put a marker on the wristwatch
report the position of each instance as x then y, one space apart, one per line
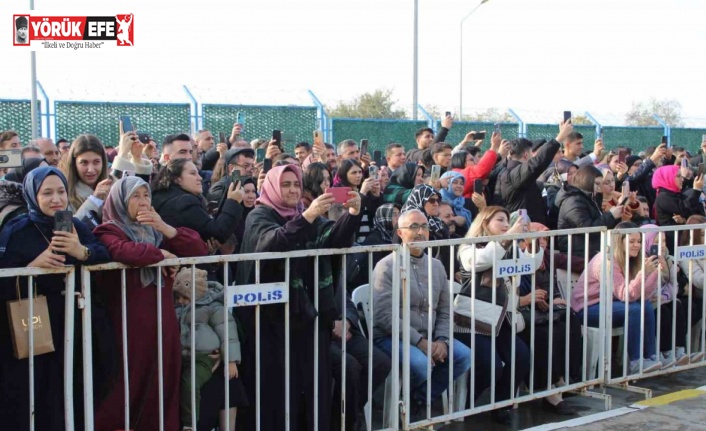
86 253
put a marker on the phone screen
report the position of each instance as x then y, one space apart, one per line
622 156
222 138
266 165
373 172
363 147
277 136
665 140
567 116
479 136
654 250
127 124
701 168
340 194
235 176
448 113
260 154
435 173
241 118
377 157
63 221
478 186
497 128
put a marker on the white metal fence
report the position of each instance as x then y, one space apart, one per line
460 399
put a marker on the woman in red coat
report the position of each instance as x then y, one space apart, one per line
136 235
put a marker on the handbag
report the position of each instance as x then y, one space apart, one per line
486 314
17 313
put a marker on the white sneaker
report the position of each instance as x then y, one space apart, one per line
667 359
696 357
681 357
648 366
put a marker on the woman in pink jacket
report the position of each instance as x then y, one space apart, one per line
625 289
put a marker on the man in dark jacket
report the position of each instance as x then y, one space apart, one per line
240 159
518 182
425 138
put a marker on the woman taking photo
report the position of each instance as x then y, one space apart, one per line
350 174
137 236
86 170
579 205
626 288
317 178
279 223
402 181
177 198
29 240
479 259
673 207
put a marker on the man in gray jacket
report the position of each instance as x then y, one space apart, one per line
427 344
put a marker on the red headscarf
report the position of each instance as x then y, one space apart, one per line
271 193
665 177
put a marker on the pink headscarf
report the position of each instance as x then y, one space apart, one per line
271 193
665 177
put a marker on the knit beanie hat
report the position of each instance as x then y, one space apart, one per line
183 279
630 160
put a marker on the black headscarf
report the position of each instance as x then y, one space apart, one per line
18 174
405 175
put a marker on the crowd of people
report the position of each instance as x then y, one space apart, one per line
139 203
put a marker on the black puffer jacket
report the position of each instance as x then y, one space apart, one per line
669 203
578 210
518 183
179 208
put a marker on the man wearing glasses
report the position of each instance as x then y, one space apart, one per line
235 159
426 345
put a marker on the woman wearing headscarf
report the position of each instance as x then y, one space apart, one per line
30 241
672 207
425 199
453 194
402 181
279 223
137 236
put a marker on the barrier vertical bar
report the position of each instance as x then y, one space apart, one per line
193 346
126 374
226 336
30 310
287 371
405 339
344 325
316 341
450 347
258 371
160 349
87 350
368 419
430 335
551 309
68 349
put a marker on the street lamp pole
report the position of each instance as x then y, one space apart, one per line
460 85
415 78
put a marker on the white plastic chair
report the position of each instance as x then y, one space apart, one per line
361 297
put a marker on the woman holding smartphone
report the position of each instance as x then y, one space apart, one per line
350 174
86 169
31 240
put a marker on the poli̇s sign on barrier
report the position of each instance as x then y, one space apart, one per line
691 253
510 267
257 294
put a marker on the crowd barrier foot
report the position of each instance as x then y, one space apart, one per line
625 386
584 392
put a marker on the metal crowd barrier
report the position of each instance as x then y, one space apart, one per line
232 290
68 341
597 357
687 252
519 264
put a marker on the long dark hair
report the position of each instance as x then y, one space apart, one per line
313 177
83 144
347 165
169 174
458 160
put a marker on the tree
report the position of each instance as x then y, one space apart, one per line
490 115
580 120
641 113
378 104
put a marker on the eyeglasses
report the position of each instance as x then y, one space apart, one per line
246 166
415 227
433 201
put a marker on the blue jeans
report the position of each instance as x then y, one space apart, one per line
633 332
439 372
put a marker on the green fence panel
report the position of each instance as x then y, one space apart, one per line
378 132
690 139
636 138
297 123
101 119
460 128
17 115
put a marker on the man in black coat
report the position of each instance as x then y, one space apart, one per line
518 182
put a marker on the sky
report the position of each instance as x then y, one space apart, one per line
538 57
